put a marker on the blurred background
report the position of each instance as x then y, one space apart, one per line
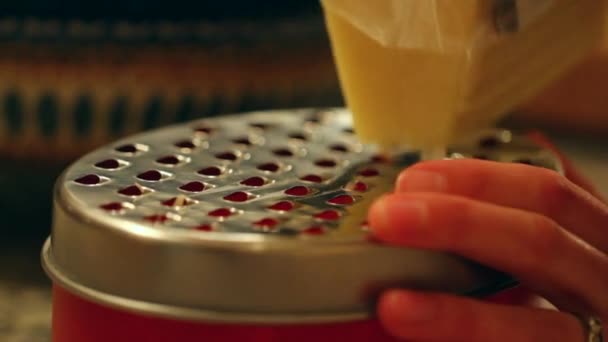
75 74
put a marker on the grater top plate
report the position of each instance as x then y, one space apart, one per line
251 217
291 174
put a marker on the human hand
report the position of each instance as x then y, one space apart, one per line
533 223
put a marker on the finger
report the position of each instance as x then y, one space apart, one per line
516 186
415 316
530 246
570 171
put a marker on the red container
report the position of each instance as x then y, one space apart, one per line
242 228
74 320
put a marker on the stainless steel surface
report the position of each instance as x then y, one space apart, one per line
313 263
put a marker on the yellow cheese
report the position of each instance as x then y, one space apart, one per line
410 95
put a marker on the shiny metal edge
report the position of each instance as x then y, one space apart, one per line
209 316
172 312
251 279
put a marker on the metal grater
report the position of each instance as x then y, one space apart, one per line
257 218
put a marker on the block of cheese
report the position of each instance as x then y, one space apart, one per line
421 73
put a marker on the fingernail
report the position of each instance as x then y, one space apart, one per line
409 308
393 215
421 180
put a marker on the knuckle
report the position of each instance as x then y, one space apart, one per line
465 177
545 239
460 228
477 184
557 193
471 322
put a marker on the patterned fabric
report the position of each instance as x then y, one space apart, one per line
293 31
69 85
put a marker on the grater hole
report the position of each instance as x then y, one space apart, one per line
204 129
312 178
326 163
160 218
328 215
260 125
341 148
314 230
269 167
298 136
489 142
178 201
298 191
254 182
212 171
313 119
111 164
186 145
282 206
245 141
312 123
239 197
134 191
524 161
221 212
114 207
228 155
357 186
131 149
91 179
205 227
267 223
153 176
380 159
342 200
369 172
283 152
194 187
171 160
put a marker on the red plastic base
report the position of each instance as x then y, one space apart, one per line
79 320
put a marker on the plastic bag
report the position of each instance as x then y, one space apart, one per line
439 25
423 72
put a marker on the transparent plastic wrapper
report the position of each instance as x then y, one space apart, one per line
577 102
430 70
